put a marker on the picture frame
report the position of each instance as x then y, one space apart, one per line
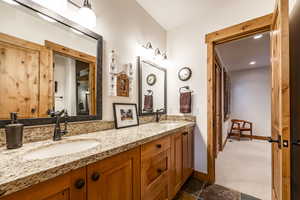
125 115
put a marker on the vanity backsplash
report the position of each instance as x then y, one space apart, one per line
45 132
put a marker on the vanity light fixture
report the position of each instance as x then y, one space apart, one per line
252 63
46 18
164 56
12 2
86 15
256 37
157 52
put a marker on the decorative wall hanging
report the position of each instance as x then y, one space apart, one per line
125 115
122 85
114 71
185 74
151 79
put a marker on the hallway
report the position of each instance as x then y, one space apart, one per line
245 166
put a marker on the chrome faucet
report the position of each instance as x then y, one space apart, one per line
157 114
58 133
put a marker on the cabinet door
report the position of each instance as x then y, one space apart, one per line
66 187
187 151
115 178
155 176
176 177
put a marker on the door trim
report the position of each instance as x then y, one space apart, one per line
251 27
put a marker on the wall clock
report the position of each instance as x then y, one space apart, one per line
185 74
151 79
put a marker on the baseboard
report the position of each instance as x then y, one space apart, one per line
255 137
200 176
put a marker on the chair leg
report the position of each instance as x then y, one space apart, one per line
240 134
251 134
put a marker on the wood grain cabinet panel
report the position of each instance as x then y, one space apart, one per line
188 154
71 186
177 162
155 170
115 178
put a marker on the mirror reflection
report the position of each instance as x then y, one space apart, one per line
44 66
152 87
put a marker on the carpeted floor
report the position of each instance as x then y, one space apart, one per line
197 190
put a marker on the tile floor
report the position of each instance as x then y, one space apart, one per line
245 166
197 190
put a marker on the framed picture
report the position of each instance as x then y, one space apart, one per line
125 115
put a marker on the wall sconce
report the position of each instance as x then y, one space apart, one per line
150 53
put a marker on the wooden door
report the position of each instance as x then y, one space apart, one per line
19 80
115 178
176 159
281 183
218 103
71 186
25 78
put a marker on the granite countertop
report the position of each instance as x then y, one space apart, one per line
17 173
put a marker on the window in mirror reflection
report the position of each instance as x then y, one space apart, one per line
72 85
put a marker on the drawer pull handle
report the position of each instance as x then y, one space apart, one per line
158 146
80 183
95 176
159 171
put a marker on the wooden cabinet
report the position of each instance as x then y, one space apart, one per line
182 159
71 186
177 163
155 169
115 178
188 154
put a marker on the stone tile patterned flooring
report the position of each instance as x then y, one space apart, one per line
194 189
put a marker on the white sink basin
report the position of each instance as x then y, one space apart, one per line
60 149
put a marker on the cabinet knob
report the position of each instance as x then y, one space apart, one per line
158 146
185 133
80 183
95 176
159 171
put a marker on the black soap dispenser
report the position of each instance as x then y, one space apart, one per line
14 133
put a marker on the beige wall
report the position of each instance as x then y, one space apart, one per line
251 98
124 25
186 47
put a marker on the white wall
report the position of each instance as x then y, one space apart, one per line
251 98
186 47
124 25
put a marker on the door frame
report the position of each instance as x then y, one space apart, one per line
251 27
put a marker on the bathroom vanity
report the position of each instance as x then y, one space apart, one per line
151 161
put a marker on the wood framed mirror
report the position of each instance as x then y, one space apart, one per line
39 57
152 88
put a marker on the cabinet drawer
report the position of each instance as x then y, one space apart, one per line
159 189
155 147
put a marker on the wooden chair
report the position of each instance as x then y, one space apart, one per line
240 126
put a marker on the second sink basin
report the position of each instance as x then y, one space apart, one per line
60 149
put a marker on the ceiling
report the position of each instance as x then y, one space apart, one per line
238 54
173 13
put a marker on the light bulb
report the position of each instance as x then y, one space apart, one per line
87 17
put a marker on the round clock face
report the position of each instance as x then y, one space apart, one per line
151 79
185 74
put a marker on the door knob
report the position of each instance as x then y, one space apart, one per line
278 141
80 183
273 141
95 176
297 143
